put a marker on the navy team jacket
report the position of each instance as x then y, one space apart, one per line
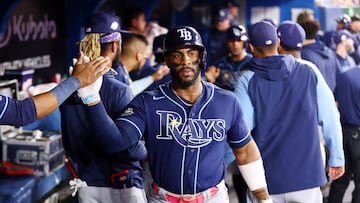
284 100
96 163
347 94
325 60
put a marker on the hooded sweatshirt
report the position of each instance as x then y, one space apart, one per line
325 59
281 98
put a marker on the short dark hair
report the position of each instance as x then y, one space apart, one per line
311 28
304 16
288 48
130 13
129 39
265 49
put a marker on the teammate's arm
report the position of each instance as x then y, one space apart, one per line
251 167
212 73
18 113
241 91
83 75
119 135
331 128
141 84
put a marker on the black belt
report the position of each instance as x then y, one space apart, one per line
354 127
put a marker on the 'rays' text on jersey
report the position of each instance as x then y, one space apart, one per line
190 132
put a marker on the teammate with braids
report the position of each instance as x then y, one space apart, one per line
110 175
185 130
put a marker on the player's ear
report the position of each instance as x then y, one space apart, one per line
139 56
278 42
114 46
279 48
251 48
119 46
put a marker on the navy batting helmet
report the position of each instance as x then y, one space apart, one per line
237 32
184 36
158 44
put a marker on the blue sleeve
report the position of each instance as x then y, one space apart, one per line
241 91
120 135
329 120
14 112
238 134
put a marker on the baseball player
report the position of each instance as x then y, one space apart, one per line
284 100
186 124
344 42
132 59
110 175
158 52
226 70
318 53
347 94
14 112
292 37
216 42
224 73
342 22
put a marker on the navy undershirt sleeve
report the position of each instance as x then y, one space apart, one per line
118 136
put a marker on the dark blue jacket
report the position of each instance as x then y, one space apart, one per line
96 164
325 60
122 75
284 100
230 71
347 94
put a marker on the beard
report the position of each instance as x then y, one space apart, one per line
175 75
116 60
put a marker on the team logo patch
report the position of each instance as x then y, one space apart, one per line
129 111
114 25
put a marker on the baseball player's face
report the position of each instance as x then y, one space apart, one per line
236 46
184 66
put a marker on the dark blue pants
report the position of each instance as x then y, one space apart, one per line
352 167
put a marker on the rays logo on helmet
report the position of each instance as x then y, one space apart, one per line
114 25
185 34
